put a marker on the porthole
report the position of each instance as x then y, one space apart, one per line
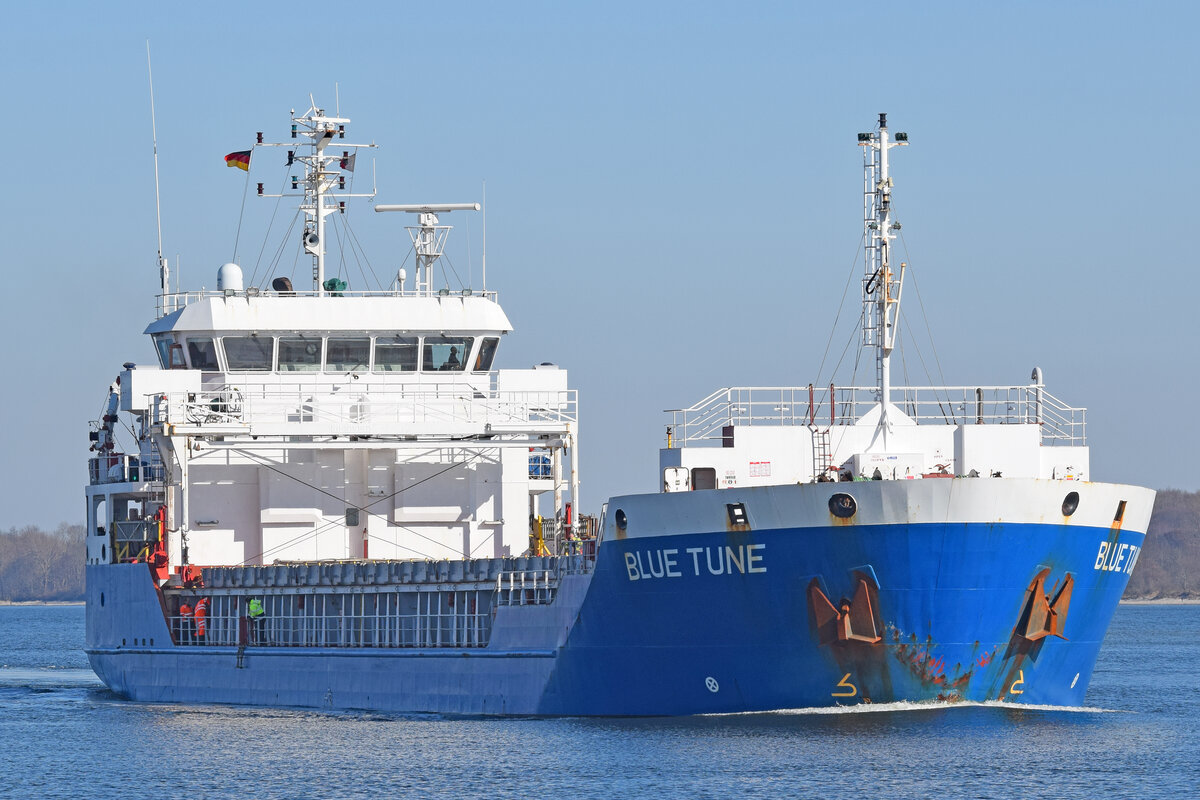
1070 503
102 599
122 643
103 553
842 505
622 520
152 641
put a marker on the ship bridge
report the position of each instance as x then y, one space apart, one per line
289 424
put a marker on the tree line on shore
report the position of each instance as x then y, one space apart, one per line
48 565
42 565
1169 564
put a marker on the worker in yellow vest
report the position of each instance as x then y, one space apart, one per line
256 612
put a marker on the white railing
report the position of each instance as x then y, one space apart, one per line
817 407
539 587
123 468
526 588
344 620
173 301
363 409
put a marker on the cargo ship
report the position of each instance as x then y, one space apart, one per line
329 497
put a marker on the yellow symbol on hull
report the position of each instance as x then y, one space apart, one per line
845 684
1020 681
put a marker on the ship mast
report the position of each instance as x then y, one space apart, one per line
881 285
322 175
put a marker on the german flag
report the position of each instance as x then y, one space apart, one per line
240 159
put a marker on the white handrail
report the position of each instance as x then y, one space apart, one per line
951 405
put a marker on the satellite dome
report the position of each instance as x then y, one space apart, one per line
229 277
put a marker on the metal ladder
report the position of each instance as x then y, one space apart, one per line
821 450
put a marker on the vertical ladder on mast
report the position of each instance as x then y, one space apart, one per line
881 284
871 187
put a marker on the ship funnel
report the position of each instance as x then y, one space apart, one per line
229 278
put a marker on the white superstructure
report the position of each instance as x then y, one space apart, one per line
283 424
759 436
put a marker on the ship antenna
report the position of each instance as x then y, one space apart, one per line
164 274
485 235
428 237
322 176
881 286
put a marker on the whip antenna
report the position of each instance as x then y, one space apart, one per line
163 271
485 235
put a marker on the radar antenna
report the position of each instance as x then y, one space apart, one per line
428 237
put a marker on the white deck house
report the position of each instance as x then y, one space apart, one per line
284 425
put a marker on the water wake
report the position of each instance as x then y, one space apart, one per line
937 705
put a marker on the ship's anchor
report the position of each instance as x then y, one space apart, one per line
852 620
1041 616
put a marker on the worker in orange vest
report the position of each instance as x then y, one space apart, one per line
201 617
185 622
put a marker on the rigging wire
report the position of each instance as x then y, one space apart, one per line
341 251
483 541
357 251
397 544
929 334
929 378
241 215
361 253
846 349
453 269
317 531
270 227
295 254
295 540
278 257
841 305
924 316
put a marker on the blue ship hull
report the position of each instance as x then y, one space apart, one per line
950 597
722 621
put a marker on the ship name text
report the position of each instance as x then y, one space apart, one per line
695 561
1117 558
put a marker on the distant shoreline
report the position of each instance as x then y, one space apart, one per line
1164 601
41 602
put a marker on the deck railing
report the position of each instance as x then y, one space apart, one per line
173 301
124 468
844 405
378 619
341 407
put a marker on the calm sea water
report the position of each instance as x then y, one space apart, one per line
62 734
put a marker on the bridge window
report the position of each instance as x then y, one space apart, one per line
396 353
299 354
446 353
202 354
487 352
347 355
249 353
162 344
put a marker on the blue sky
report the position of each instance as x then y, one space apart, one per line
673 195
